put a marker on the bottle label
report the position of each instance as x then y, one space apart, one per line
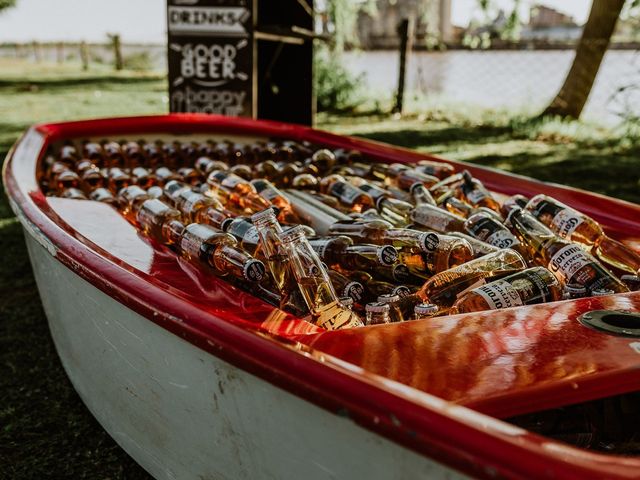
569 260
502 239
269 193
251 236
431 220
232 181
565 222
319 246
191 244
346 192
499 294
476 195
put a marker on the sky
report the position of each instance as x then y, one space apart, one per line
145 21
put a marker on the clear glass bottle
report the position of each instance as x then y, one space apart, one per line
159 221
568 261
569 223
486 228
350 196
472 191
435 168
528 287
340 250
345 287
437 219
391 209
234 190
217 249
420 195
314 283
444 287
274 196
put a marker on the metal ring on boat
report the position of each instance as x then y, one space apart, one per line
614 322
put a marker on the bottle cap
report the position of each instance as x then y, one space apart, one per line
601 292
346 302
387 255
377 307
401 291
224 226
388 298
575 290
631 281
429 242
353 290
416 185
423 309
254 270
268 213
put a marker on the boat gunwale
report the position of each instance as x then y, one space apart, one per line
457 436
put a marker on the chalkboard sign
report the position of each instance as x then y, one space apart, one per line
210 55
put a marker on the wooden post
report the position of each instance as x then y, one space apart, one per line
37 51
117 51
405 31
84 55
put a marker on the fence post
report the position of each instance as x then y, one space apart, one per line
84 55
405 31
60 52
37 51
117 51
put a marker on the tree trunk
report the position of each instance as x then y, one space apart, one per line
592 46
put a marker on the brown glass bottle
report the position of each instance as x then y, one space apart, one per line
435 169
528 287
218 250
273 195
345 287
341 251
486 228
420 195
236 191
575 226
472 191
568 261
350 196
159 221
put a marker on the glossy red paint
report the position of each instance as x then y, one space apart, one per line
392 379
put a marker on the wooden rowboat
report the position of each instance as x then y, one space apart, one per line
197 379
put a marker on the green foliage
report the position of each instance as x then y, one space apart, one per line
4 4
139 62
336 88
342 16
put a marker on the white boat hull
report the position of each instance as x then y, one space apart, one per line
183 413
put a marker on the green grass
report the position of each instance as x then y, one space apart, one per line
45 430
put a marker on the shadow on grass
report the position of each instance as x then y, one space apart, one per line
35 84
45 429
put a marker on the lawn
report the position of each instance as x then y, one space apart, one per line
45 430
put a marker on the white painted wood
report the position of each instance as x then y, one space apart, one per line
183 413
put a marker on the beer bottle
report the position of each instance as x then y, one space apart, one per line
439 252
323 160
462 209
93 151
486 228
143 177
205 165
218 250
350 196
117 179
190 175
423 311
345 287
374 288
164 175
437 219
575 226
103 195
129 200
231 189
159 221
314 283
341 251
514 201
274 196
568 261
377 313
394 211
444 287
194 206
421 195
480 248
73 193
435 169
113 155
528 287
474 192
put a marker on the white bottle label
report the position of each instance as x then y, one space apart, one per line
232 180
431 220
476 196
499 294
565 222
319 246
569 260
502 239
269 194
251 236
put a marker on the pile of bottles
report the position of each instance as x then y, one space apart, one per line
344 242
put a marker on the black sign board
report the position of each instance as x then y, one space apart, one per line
211 56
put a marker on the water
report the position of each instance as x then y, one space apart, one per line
504 79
